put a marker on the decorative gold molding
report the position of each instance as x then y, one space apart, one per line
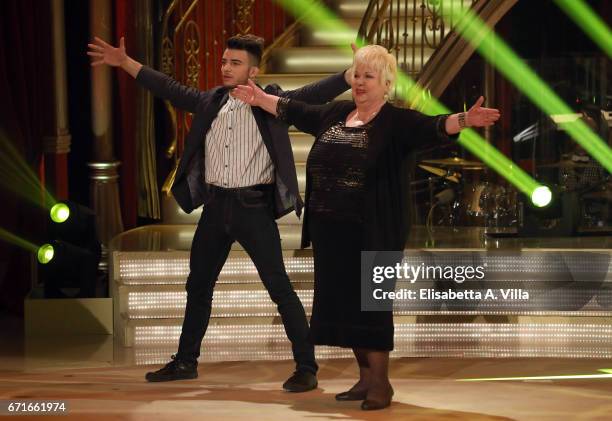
191 47
185 16
167 186
244 16
167 45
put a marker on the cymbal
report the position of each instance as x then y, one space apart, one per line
440 173
455 162
568 164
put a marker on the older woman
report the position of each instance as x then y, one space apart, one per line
356 199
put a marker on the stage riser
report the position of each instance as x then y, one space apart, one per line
142 268
226 303
252 299
154 344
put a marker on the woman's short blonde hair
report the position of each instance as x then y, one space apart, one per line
378 59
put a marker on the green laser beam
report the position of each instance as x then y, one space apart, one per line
607 375
11 238
590 22
25 188
17 176
319 17
470 139
501 56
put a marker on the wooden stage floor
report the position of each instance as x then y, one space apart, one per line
107 386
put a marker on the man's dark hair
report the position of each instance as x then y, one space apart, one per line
250 43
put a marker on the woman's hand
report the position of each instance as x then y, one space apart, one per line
251 94
477 116
104 53
256 97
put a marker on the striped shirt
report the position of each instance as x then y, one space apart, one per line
235 154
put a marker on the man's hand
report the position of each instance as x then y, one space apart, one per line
103 53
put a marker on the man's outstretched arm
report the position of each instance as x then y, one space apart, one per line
181 96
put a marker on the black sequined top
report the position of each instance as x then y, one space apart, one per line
336 167
382 189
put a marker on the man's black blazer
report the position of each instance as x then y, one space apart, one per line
189 188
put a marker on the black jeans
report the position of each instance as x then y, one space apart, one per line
243 215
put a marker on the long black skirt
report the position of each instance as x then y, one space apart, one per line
337 318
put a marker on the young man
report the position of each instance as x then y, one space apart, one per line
238 163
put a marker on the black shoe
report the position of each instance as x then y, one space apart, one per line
301 381
351 395
176 369
373 405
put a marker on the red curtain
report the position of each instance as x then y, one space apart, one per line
25 69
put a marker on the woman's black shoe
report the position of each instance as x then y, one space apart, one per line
176 369
372 405
350 395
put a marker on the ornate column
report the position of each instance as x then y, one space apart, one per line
56 146
104 191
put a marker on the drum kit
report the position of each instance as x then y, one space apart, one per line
475 200
470 199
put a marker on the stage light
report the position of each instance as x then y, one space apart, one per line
73 223
45 253
60 212
593 25
70 260
541 196
548 211
68 270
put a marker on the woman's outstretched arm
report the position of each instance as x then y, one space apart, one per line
306 117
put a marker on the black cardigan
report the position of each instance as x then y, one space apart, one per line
393 134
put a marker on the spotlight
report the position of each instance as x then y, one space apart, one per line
541 196
45 253
60 212
74 223
549 211
68 270
69 261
